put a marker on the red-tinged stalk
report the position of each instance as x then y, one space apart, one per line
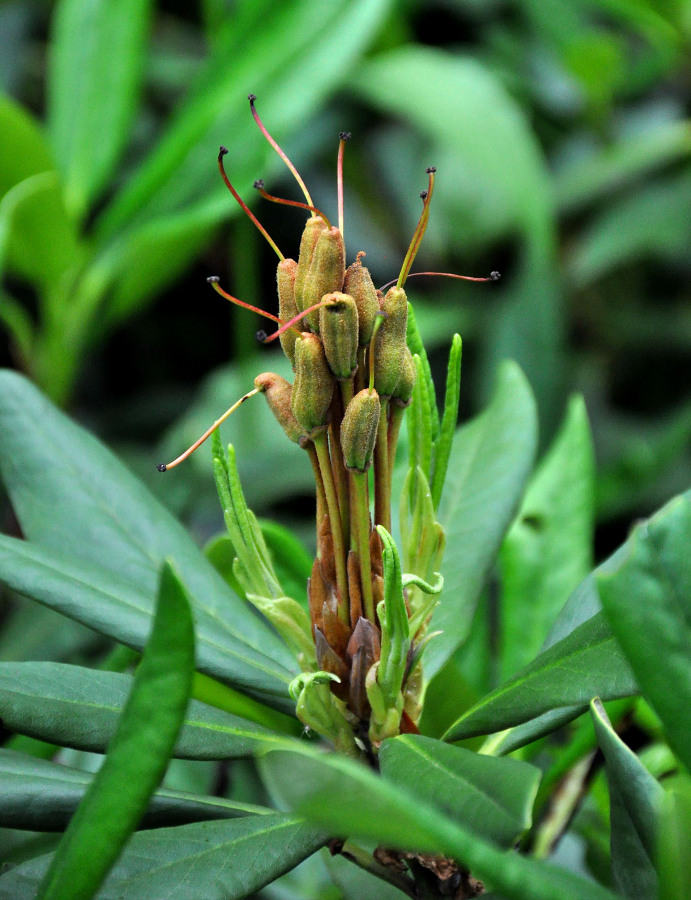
259 186
493 276
361 528
264 131
213 280
382 485
344 136
331 497
248 212
163 467
419 230
291 323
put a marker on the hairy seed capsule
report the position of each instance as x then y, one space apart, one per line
359 430
326 273
338 327
278 393
314 227
403 392
287 308
314 385
358 283
390 343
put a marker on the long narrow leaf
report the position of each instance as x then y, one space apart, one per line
349 798
137 757
76 707
214 860
42 796
489 465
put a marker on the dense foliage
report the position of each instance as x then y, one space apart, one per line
535 735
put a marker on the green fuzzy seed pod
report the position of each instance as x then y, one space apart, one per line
390 344
359 430
403 392
338 327
314 385
287 308
278 393
326 272
314 227
358 283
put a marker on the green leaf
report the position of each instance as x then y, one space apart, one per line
78 502
674 849
108 604
25 150
77 707
548 550
635 801
444 441
496 795
587 663
292 60
225 860
42 796
137 756
348 798
647 600
91 98
37 239
490 462
291 561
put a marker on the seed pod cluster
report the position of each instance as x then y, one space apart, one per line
337 409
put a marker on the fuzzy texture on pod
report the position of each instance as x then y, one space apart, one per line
287 308
278 393
403 392
390 343
314 384
314 227
358 283
359 430
338 327
326 273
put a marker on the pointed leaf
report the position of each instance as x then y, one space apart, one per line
586 664
104 602
74 498
42 796
347 797
76 707
215 860
137 756
548 550
490 462
25 149
635 800
91 100
494 796
647 600
675 843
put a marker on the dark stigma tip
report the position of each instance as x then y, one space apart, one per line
423 195
344 135
213 279
161 467
495 276
430 169
261 336
222 151
259 184
251 97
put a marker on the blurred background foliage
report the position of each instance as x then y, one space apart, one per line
561 138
